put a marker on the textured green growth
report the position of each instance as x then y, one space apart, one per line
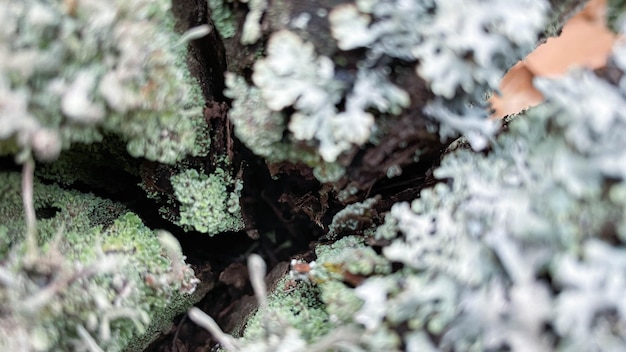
223 18
256 125
341 265
298 305
208 203
324 300
340 302
72 72
293 75
99 277
56 209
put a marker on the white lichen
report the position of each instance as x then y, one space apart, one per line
292 75
251 31
461 48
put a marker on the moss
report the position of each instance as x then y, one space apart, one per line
208 203
98 275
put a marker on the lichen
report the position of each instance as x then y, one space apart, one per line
461 48
251 31
98 276
72 72
354 218
293 76
521 247
256 125
290 319
297 305
208 203
55 208
307 102
537 206
223 18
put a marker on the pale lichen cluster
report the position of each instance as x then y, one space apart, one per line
208 203
324 113
75 71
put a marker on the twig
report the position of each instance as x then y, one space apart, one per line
28 169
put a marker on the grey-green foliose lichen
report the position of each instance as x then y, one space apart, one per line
74 71
302 106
